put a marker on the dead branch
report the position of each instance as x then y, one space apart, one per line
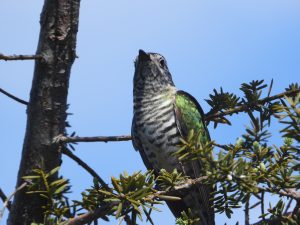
291 192
65 139
288 192
92 215
20 57
13 97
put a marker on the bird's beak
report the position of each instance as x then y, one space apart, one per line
143 56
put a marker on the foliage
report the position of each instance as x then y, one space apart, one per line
187 218
53 192
131 195
250 167
243 172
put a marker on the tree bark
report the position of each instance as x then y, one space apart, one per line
46 111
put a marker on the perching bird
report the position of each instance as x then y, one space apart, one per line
163 115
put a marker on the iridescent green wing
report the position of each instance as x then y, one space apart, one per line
189 116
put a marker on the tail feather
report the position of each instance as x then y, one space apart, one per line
198 198
193 200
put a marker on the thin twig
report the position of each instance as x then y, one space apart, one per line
92 215
6 203
288 206
225 147
247 219
13 97
188 183
4 198
20 57
65 139
288 192
106 139
244 107
291 192
121 220
262 206
70 154
296 209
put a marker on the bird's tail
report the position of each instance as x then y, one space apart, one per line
196 201
198 198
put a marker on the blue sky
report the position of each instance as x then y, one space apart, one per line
208 44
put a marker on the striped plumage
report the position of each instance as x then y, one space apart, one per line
162 115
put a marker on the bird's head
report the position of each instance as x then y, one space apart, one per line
151 72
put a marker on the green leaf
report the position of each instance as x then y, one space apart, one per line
60 189
119 210
30 177
117 187
53 171
169 198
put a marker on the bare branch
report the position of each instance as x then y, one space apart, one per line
220 146
65 139
188 183
70 154
288 206
245 107
4 198
92 215
120 220
20 57
292 193
7 201
296 209
13 97
247 218
262 204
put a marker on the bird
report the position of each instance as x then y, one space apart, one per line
162 116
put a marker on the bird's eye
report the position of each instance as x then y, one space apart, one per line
162 63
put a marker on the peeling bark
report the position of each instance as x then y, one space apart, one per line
46 111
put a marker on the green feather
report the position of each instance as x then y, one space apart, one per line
190 117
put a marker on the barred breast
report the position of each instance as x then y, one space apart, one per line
156 128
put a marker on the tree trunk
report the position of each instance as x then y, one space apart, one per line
46 111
